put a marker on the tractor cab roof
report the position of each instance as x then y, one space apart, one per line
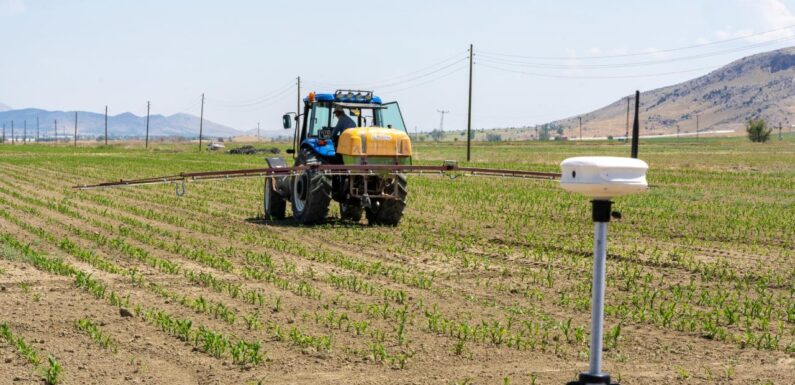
363 98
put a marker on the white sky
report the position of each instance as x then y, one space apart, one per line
245 55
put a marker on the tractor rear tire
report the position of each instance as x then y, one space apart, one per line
274 204
311 195
388 212
350 212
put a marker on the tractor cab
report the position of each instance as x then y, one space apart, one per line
379 129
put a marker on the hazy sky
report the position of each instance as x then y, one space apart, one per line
535 61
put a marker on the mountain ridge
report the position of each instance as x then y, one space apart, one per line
760 85
123 125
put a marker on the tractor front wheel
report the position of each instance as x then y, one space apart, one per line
311 196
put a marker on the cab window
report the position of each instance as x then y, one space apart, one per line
320 119
390 117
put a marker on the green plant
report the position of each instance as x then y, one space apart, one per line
52 374
613 336
87 326
23 348
682 373
758 130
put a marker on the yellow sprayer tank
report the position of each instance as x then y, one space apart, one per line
374 145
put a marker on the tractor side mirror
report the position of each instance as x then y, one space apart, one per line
287 121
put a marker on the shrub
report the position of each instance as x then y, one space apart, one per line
758 131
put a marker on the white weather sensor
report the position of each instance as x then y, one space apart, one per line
603 177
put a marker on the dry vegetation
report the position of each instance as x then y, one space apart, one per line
485 281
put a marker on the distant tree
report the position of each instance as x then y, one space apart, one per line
493 137
437 135
758 131
544 133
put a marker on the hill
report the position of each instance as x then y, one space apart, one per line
755 86
122 125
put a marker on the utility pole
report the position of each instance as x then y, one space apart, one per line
56 131
4 132
636 126
25 131
37 129
779 131
441 123
148 104
75 128
696 126
677 131
201 124
469 107
298 102
580 118
627 134
106 125
258 139
12 132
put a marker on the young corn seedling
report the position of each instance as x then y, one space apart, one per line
87 326
52 374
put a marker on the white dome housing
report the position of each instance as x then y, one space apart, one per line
603 177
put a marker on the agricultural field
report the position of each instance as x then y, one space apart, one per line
485 281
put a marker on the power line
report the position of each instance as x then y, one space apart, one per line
596 77
255 107
642 53
458 55
418 77
457 70
496 60
255 101
189 105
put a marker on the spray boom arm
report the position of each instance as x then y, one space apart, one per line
448 168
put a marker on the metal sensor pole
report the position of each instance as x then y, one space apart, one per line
601 211
601 217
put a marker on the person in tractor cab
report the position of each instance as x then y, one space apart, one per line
344 122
